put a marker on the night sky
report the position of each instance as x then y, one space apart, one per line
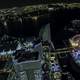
13 3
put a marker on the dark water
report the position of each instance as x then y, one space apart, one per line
12 3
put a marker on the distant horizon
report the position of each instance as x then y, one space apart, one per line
16 3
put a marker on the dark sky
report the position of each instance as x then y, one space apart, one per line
13 3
